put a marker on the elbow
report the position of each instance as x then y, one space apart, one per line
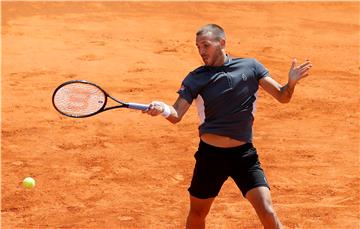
284 101
174 121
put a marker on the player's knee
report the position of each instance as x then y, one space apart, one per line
267 213
270 214
270 219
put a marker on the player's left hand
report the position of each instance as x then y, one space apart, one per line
296 73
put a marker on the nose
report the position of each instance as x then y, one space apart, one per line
202 51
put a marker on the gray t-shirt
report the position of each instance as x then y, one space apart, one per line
225 96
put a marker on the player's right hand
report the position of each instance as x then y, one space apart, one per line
155 108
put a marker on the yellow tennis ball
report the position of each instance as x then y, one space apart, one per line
29 182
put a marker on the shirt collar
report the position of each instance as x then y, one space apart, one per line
227 63
228 60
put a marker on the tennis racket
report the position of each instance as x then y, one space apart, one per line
80 99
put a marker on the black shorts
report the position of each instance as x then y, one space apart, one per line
214 165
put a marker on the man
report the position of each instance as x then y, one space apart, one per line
225 90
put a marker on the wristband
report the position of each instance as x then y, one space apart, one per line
166 112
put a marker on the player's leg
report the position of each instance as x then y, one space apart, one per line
251 180
260 199
208 178
199 208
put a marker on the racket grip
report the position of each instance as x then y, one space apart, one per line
138 106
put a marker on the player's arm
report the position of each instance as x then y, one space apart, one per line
172 113
284 93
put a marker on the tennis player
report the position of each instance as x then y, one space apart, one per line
225 92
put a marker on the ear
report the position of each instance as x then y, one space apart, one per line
222 43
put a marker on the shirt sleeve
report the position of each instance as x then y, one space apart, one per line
188 89
260 70
185 93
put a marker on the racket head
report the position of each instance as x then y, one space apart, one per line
79 99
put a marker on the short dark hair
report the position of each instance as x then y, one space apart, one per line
216 30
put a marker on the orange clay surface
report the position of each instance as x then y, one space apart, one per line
124 169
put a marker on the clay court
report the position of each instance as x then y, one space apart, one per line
123 169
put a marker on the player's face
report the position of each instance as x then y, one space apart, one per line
210 49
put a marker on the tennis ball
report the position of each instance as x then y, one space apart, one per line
29 182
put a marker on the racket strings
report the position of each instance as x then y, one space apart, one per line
79 99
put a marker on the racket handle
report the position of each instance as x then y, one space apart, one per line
138 106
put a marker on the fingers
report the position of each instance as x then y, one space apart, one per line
293 63
301 69
296 73
306 64
155 108
303 65
304 71
305 68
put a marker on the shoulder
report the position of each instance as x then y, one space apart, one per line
199 70
245 61
196 74
249 62
255 61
